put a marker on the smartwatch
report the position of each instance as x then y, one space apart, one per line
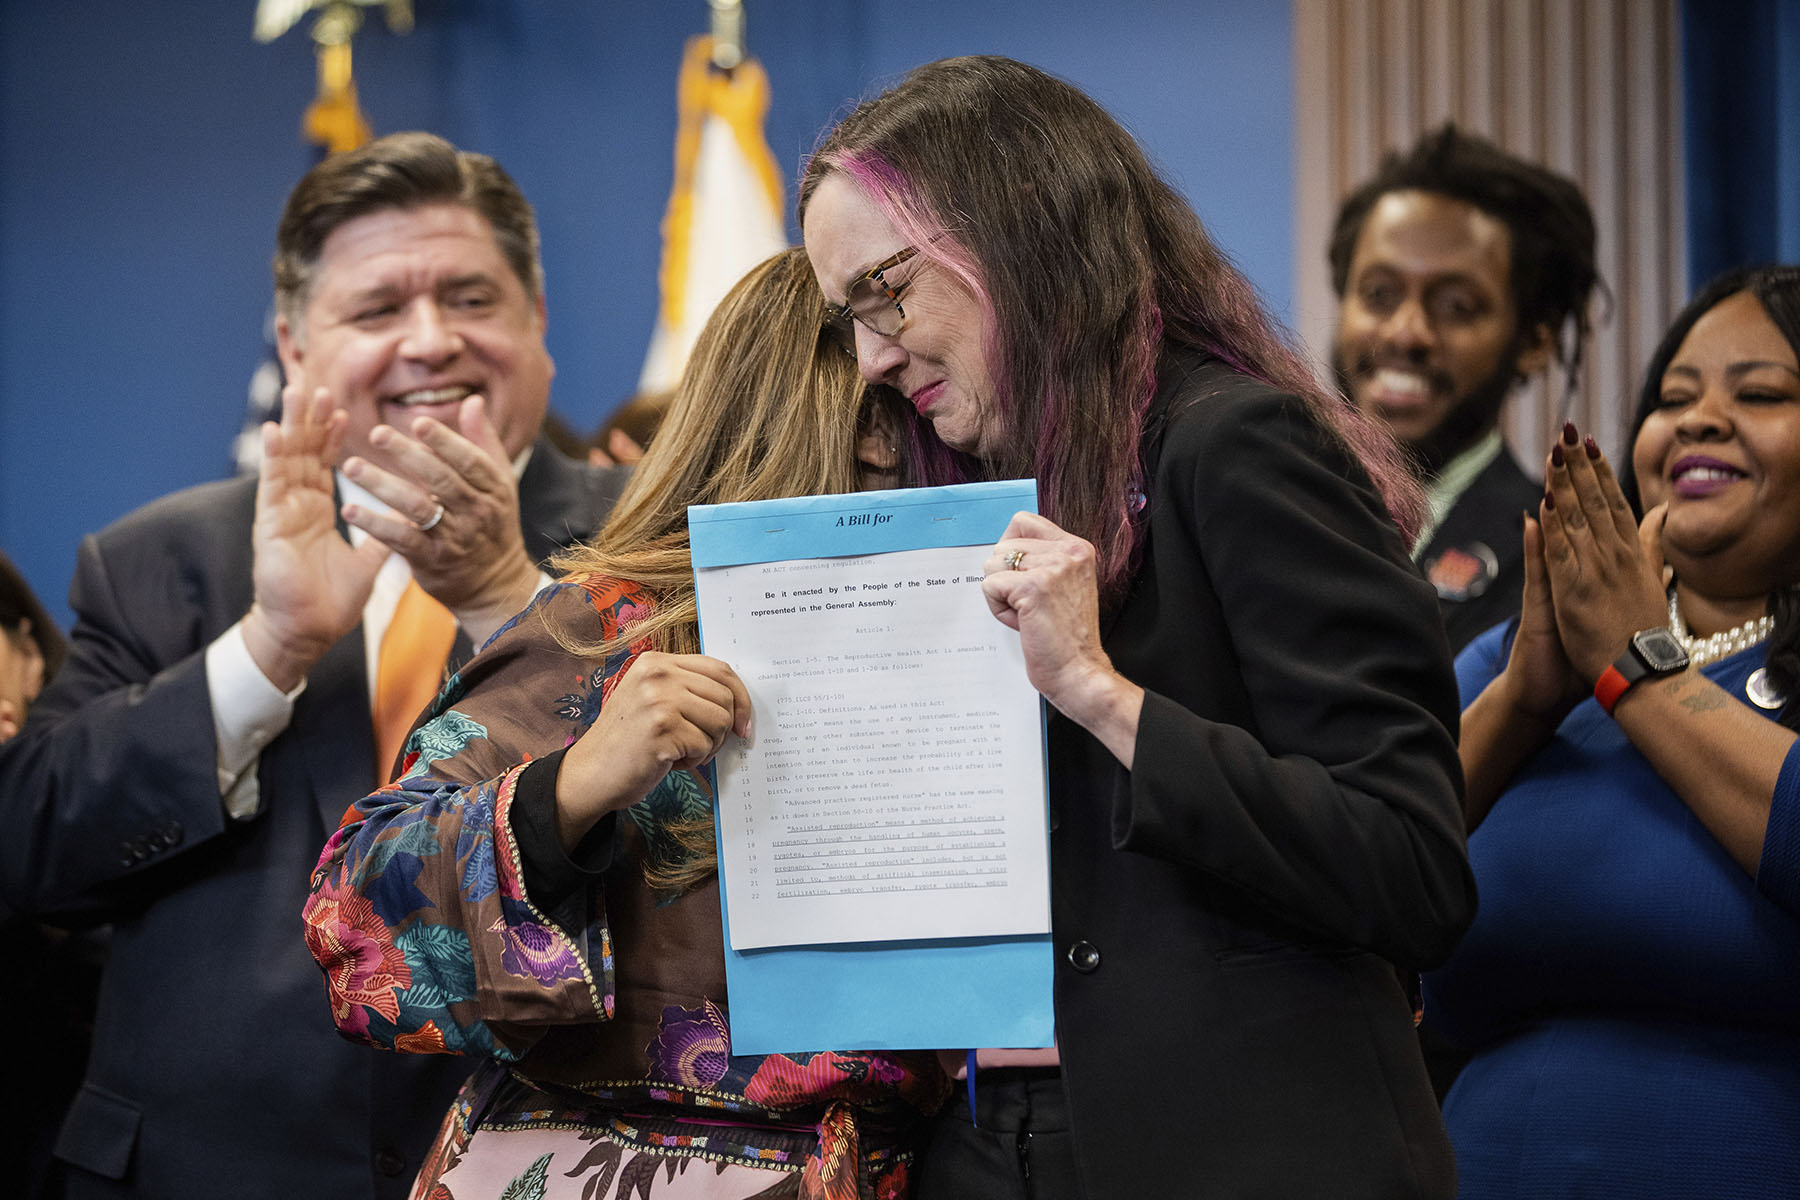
1653 653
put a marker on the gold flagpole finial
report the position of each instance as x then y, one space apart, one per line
334 119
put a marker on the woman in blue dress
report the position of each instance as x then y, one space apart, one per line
1631 986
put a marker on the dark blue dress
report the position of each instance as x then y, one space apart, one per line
1630 995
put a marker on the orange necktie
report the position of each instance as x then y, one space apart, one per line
409 670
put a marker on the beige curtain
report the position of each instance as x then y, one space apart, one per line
1590 88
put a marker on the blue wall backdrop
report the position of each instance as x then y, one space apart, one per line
145 150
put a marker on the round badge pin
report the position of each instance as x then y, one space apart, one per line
1762 691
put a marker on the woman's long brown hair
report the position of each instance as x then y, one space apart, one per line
768 407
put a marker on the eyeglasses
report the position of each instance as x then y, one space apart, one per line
871 299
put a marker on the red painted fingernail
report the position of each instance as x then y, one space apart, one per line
1570 435
1549 501
1593 447
1556 455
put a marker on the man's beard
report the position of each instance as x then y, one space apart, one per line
1468 420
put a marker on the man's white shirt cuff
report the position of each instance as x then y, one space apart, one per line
248 713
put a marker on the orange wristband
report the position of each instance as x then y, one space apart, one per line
1609 687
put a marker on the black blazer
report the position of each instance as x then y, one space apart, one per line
215 1070
1485 525
1228 914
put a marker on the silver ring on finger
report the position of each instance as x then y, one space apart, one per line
1016 560
430 523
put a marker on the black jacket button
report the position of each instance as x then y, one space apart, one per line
1084 957
390 1162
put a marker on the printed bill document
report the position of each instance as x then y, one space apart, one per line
893 786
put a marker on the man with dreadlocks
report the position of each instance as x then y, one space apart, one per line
1462 271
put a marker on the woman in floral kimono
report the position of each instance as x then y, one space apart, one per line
539 887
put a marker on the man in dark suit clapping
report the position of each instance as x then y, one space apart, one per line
214 717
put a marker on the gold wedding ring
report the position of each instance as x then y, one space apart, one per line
1015 559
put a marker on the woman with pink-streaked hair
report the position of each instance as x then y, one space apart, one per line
1254 799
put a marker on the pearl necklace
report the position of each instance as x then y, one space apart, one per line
1714 646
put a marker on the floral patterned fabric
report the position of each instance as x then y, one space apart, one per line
424 919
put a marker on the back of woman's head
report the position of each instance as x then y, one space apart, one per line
1087 262
767 407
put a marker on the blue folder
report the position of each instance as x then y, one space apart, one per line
898 995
